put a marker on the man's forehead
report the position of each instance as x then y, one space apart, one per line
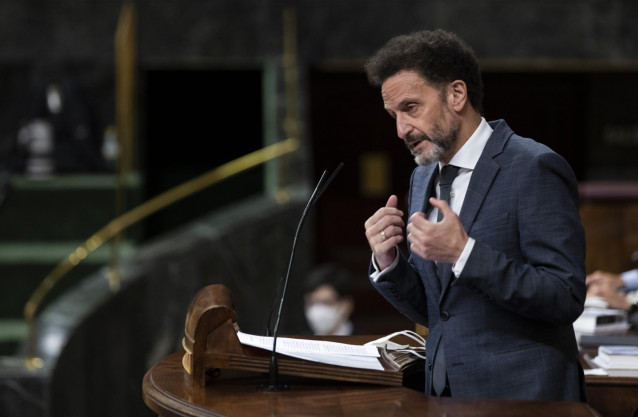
401 87
403 78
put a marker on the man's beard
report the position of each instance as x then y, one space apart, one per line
441 143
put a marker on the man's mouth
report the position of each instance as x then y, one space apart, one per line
414 140
414 144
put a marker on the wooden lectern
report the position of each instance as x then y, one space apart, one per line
211 341
171 388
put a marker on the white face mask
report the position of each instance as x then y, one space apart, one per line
324 319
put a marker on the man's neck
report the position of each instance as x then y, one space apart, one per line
469 124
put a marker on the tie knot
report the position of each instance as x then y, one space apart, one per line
448 172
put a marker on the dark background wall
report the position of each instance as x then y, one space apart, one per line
563 73
210 78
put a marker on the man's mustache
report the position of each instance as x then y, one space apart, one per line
413 138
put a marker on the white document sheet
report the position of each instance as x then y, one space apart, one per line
332 353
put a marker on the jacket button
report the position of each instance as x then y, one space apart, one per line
445 315
429 365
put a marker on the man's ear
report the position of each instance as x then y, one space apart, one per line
457 94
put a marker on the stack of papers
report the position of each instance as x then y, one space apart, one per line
331 353
618 360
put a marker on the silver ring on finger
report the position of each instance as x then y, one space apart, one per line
383 235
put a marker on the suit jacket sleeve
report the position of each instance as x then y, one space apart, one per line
403 288
404 285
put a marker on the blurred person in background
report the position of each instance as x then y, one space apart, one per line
619 291
328 301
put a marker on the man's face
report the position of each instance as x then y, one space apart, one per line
425 122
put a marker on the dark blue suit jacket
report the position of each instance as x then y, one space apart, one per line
506 321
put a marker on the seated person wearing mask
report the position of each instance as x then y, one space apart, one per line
328 303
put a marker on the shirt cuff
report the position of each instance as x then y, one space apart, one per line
376 275
457 268
631 279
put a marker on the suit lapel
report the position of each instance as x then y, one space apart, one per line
482 178
422 188
481 181
484 174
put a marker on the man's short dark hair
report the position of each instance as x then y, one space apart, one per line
438 56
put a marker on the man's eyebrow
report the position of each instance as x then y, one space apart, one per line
401 105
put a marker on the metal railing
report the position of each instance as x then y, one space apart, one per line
122 222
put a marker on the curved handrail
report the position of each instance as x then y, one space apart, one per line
149 207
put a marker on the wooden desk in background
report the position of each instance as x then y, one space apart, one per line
168 392
609 211
610 396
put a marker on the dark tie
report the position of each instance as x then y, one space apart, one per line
448 173
439 374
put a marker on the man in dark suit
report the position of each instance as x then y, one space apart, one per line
500 278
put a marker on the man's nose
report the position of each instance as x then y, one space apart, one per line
403 127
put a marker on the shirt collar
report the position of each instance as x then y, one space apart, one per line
469 154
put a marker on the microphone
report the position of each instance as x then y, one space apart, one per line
273 370
311 201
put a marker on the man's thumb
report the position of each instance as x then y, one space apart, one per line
442 205
392 201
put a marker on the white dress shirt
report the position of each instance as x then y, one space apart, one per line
466 159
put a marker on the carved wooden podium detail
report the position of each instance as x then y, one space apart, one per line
209 335
211 341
